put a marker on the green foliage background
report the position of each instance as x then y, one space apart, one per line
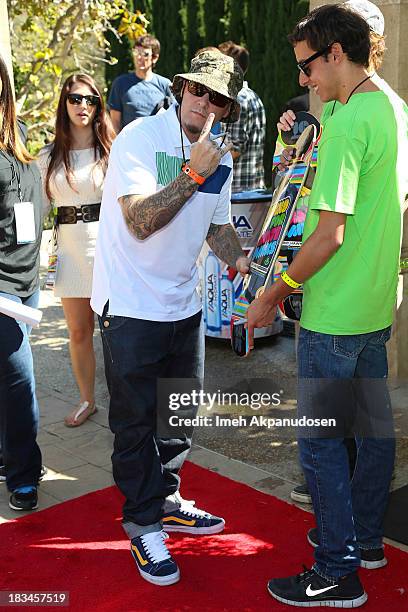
183 26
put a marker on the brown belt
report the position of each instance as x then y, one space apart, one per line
72 214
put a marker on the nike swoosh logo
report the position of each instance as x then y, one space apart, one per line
311 592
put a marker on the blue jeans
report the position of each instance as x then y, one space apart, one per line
137 353
349 513
18 403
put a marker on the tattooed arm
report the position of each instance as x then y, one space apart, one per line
144 215
223 240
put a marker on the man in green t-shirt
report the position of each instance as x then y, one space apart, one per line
375 19
349 264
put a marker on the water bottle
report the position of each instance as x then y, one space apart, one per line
212 293
227 299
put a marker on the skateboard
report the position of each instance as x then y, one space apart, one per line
295 182
291 306
289 139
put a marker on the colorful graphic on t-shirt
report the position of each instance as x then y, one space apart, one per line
169 167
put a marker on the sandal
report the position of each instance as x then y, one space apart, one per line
80 414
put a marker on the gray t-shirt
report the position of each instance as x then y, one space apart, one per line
135 97
19 263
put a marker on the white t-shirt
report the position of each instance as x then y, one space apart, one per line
154 279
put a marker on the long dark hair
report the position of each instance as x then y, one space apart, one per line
102 128
10 139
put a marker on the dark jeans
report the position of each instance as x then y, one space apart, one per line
18 404
137 353
349 514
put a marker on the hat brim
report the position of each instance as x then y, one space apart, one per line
211 83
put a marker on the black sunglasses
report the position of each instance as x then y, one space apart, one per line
304 66
76 99
199 90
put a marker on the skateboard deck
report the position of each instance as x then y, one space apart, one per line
291 306
293 184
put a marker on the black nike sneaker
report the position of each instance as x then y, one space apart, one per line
308 589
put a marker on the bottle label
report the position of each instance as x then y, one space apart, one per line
212 293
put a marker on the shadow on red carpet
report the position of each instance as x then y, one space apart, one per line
79 546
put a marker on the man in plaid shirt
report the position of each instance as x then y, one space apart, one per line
248 133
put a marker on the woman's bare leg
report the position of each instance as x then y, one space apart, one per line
80 320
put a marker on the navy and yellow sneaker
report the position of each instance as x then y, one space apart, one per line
153 559
309 589
189 519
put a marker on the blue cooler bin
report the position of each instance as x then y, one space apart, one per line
220 284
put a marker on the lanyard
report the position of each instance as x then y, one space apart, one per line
15 174
352 91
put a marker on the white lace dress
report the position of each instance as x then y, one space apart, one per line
76 242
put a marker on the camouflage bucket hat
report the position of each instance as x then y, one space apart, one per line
216 71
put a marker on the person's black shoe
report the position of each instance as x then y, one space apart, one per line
3 473
308 589
301 494
24 499
371 558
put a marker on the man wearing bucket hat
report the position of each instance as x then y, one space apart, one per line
167 190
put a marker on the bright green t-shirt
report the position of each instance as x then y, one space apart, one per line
361 172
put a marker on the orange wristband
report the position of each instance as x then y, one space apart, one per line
193 174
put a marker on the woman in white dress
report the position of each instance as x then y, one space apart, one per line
73 169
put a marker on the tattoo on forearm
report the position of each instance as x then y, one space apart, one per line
223 240
146 215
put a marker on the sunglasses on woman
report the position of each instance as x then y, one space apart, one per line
304 66
199 90
76 99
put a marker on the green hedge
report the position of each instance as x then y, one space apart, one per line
183 26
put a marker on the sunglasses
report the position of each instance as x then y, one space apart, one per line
304 66
76 99
199 90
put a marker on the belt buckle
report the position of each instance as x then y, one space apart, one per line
86 213
89 213
70 216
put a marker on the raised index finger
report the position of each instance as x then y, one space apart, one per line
207 127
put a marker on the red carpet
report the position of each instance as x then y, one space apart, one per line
79 546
